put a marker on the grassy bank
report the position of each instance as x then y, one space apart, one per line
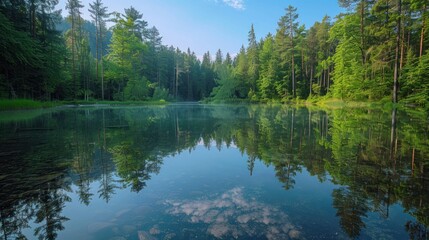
115 103
20 104
320 102
335 103
324 103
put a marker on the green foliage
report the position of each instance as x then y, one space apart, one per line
38 62
241 71
160 94
352 58
126 51
137 90
348 73
416 85
227 84
268 70
20 51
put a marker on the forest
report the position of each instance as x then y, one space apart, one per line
377 50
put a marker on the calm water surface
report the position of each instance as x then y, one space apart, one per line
213 172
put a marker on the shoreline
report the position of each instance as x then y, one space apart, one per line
322 103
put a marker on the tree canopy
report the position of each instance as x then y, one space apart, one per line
374 50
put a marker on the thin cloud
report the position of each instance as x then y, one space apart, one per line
236 4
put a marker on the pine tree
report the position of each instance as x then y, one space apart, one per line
253 62
126 51
99 15
285 37
268 70
75 36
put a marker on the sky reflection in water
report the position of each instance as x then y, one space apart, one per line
207 172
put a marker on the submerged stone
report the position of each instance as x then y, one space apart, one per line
145 236
154 230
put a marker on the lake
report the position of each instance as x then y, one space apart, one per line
191 171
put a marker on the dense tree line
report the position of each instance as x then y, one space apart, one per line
31 59
376 50
49 58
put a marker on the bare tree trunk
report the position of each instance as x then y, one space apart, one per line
97 32
412 161
393 137
362 37
329 79
189 88
33 19
292 128
398 40
309 126
73 36
311 80
401 61
101 65
176 82
293 60
293 75
422 34
302 64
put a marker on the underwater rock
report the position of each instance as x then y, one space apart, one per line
145 236
233 215
155 230
218 230
294 234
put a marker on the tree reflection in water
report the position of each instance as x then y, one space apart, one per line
378 158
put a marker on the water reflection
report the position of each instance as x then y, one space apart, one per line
377 159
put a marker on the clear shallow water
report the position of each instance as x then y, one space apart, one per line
214 172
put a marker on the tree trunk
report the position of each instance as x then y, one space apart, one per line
292 128
328 84
97 32
311 80
422 34
189 88
33 19
101 65
293 75
362 38
73 55
302 65
393 135
401 61
293 59
176 82
398 41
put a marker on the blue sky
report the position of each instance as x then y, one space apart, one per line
208 25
